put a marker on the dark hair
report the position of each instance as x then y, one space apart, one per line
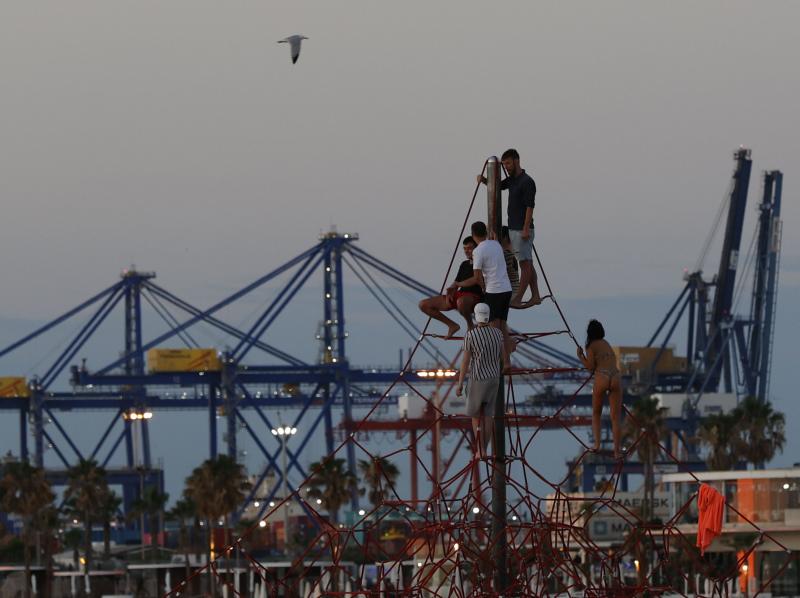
594 332
479 230
468 240
510 153
504 233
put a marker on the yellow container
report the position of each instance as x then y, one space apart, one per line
183 360
632 359
14 386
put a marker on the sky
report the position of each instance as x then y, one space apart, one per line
179 138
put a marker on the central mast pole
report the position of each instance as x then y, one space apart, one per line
499 546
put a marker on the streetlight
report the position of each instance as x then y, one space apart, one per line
283 433
746 580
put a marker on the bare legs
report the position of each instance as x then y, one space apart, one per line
598 393
434 306
615 400
612 386
482 432
527 279
466 305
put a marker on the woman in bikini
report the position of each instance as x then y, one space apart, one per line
601 360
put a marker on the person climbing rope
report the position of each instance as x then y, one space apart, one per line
600 358
484 350
459 296
521 202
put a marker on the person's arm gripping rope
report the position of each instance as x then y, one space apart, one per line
587 359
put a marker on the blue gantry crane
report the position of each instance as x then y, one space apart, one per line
728 353
236 388
725 350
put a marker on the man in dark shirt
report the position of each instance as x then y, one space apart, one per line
521 201
461 298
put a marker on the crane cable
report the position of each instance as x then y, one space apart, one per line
714 228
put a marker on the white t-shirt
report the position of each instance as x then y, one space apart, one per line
489 259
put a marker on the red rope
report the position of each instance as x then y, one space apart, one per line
445 536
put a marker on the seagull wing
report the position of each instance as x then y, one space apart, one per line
294 43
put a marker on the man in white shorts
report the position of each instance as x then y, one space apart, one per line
484 351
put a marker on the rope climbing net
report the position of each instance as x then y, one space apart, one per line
446 545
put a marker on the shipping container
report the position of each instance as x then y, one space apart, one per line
633 359
14 386
183 360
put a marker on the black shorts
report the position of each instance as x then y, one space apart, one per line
498 305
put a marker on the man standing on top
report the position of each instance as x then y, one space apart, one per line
521 201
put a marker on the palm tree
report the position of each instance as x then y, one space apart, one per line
182 510
45 523
108 512
87 490
753 432
332 483
73 539
718 432
646 428
760 431
25 491
217 488
150 505
375 473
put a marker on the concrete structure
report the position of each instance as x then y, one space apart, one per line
766 500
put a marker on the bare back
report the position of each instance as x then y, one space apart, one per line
602 356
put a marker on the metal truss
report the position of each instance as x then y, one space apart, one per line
244 394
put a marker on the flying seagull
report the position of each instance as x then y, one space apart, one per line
294 42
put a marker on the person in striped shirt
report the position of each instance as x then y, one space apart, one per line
484 352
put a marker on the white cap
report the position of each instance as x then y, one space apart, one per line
482 312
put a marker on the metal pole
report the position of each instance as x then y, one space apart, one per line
212 421
435 452
494 220
230 400
414 468
38 425
128 442
23 434
141 516
327 337
341 357
690 336
285 496
500 548
772 287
